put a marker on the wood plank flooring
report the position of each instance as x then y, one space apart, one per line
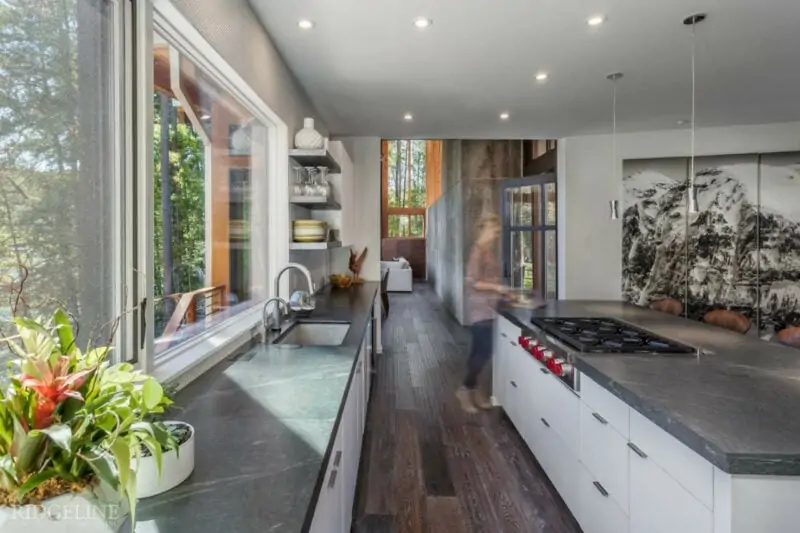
428 467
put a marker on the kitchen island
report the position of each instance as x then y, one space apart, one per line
266 423
720 427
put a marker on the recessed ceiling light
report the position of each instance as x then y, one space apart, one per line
408 117
595 20
504 116
305 24
541 76
205 116
422 22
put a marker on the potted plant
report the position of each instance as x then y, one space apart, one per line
177 461
72 425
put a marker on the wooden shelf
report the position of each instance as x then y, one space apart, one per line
314 245
316 202
315 158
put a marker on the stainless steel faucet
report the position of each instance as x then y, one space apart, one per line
276 313
265 318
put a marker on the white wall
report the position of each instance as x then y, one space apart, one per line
365 152
590 244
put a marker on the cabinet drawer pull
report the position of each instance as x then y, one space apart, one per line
543 370
337 459
600 419
513 343
332 480
545 422
504 335
513 384
638 451
600 489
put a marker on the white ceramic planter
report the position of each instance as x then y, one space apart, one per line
96 510
176 466
308 138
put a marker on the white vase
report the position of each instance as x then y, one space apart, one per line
308 138
99 509
176 466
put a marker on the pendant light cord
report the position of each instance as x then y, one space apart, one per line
614 131
694 84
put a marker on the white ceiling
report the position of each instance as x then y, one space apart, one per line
365 64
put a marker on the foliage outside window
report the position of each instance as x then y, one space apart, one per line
406 188
57 162
204 151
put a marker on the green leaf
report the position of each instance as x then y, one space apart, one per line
155 449
153 392
102 464
60 434
7 467
121 450
30 451
64 329
35 338
34 481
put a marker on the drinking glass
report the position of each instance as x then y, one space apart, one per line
324 186
311 181
299 188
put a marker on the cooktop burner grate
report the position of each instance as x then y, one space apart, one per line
607 335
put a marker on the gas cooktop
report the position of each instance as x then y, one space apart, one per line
608 335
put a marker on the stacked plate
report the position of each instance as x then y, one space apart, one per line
309 231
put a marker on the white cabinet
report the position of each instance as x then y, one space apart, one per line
659 504
558 462
598 512
604 454
334 509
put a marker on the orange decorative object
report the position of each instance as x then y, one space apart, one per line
356 263
341 281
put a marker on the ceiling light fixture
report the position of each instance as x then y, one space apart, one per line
614 204
408 117
305 24
692 21
205 116
422 22
596 20
542 76
504 116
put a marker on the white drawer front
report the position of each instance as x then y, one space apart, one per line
611 408
562 409
690 470
506 330
598 513
560 465
604 452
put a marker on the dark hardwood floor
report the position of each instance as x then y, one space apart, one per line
428 467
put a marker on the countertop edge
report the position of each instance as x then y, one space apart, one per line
312 504
730 463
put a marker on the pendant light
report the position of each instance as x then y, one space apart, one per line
614 204
693 21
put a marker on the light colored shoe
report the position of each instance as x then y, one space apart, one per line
465 399
479 399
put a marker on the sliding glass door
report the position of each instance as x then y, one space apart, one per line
529 234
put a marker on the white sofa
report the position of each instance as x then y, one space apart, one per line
401 277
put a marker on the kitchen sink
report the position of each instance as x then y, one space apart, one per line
314 334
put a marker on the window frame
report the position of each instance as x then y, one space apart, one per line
541 180
190 359
386 209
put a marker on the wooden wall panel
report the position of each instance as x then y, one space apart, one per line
411 248
433 171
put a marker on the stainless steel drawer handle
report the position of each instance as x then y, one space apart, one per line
513 343
332 480
513 384
545 422
543 370
600 489
638 451
600 418
504 335
337 459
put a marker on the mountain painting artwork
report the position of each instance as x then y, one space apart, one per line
741 251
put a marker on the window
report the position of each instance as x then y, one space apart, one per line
529 234
208 149
60 162
405 188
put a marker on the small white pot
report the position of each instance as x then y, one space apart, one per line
97 510
176 466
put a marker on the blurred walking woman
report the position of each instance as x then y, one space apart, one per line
483 290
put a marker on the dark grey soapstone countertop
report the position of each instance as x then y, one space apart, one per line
737 405
265 422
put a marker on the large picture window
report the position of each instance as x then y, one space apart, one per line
208 149
404 188
59 162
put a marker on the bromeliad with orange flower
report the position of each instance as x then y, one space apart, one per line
70 418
